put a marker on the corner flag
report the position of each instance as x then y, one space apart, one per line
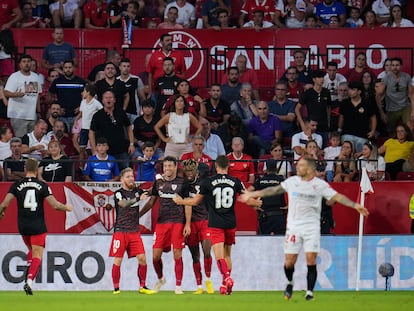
365 187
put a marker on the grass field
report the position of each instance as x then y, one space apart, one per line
238 301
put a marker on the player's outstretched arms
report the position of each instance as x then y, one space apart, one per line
344 200
5 204
255 203
58 205
267 192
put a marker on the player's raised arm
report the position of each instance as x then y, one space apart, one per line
344 200
58 205
196 200
267 192
5 204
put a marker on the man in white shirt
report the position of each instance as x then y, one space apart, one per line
332 79
186 13
213 145
299 140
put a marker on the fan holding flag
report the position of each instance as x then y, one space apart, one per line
305 193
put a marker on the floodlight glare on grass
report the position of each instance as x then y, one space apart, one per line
386 270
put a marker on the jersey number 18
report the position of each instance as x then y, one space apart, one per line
223 197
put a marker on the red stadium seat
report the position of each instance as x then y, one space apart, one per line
145 21
266 93
405 176
260 164
203 92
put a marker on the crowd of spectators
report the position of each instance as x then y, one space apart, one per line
215 14
124 119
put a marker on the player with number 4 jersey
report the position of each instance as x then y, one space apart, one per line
219 195
30 194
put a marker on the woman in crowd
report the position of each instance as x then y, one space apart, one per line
283 166
396 19
345 164
383 8
355 74
56 166
177 124
386 68
313 151
373 162
398 152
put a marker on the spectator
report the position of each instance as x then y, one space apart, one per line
355 74
326 8
60 134
147 163
213 144
232 87
66 14
155 67
88 107
10 14
250 7
101 166
116 10
223 20
398 91
357 121
246 75
386 68
217 110
131 14
283 168
370 20
335 106
54 113
317 101
304 73
34 144
56 166
5 137
28 21
354 20
310 21
264 130
382 9
396 19
144 129
333 22
345 165
330 153
313 151
22 90
197 153
96 15
284 109
294 87
398 152
170 20
135 88
68 89
14 165
57 52
374 163
116 86
177 124
332 79
186 13
112 56
113 124
234 127
309 133
210 9
258 22
244 107
165 86
7 49
34 68
45 99
295 13
241 165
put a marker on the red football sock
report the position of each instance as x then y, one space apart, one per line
142 275
34 268
208 262
178 271
197 272
116 275
158 267
222 266
29 257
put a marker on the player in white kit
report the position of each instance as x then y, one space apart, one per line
305 193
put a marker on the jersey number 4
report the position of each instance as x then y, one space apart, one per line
224 197
30 200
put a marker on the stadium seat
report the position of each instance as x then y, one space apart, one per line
145 21
203 92
266 93
405 176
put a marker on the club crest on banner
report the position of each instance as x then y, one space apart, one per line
105 207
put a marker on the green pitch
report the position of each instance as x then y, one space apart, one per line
238 301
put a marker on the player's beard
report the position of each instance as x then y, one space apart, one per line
130 185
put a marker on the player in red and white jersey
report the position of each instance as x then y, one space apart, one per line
218 193
126 237
199 227
173 223
30 194
305 192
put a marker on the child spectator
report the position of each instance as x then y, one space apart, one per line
331 153
102 166
354 20
147 163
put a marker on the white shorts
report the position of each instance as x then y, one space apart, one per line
309 239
